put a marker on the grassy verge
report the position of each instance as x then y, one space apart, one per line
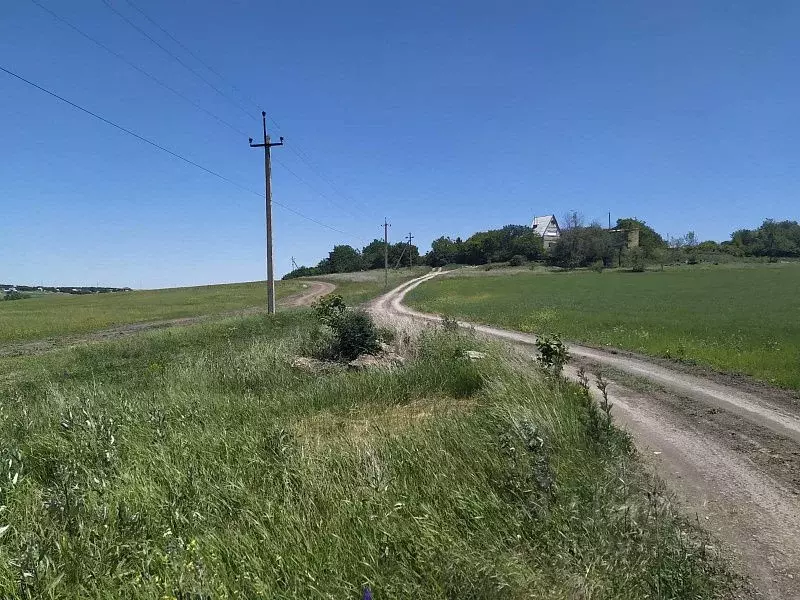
56 315
738 318
197 461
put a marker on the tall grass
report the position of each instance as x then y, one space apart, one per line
197 463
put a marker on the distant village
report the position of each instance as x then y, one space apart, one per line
11 289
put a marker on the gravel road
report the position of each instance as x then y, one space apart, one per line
729 450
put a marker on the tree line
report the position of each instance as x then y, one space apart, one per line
580 245
497 245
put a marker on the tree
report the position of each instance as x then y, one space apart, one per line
443 251
499 245
773 239
582 246
708 246
372 255
344 259
572 220
649 239
302 272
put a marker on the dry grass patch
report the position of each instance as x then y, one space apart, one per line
363 425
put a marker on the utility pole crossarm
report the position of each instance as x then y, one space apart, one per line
268 202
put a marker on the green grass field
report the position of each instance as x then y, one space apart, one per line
58 315
738 318
55 315
195 462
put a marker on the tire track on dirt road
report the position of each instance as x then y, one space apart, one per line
730 453
305 297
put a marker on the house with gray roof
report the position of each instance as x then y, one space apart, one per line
547 227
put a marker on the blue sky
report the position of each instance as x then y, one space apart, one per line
446 117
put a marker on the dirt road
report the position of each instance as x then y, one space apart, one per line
314 290
730 452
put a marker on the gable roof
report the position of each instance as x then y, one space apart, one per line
540 224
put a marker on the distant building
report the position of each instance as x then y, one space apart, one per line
547 227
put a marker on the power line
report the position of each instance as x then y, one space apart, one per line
315 190
176 58
179 94
302 155
192 54
137 67
164 149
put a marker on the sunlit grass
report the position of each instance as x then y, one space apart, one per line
197 463
742 318
55 315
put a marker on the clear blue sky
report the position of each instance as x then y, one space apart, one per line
446 117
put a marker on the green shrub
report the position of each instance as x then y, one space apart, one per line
597 266
329 309
553 353
352 332
355 334
517 260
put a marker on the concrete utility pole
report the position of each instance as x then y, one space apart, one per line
268 199
386 251
410 256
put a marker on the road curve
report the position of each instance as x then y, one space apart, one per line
731 454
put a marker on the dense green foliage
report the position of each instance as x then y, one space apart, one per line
346 259
772 239
584 246
739 318
197 463
495 245
353 332
579 246
597 247
649 239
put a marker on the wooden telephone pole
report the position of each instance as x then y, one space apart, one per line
268 199
403 253
386 252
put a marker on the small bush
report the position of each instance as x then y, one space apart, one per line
517 260
352 332
329 309
449 323
356 334
553 353
597 266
